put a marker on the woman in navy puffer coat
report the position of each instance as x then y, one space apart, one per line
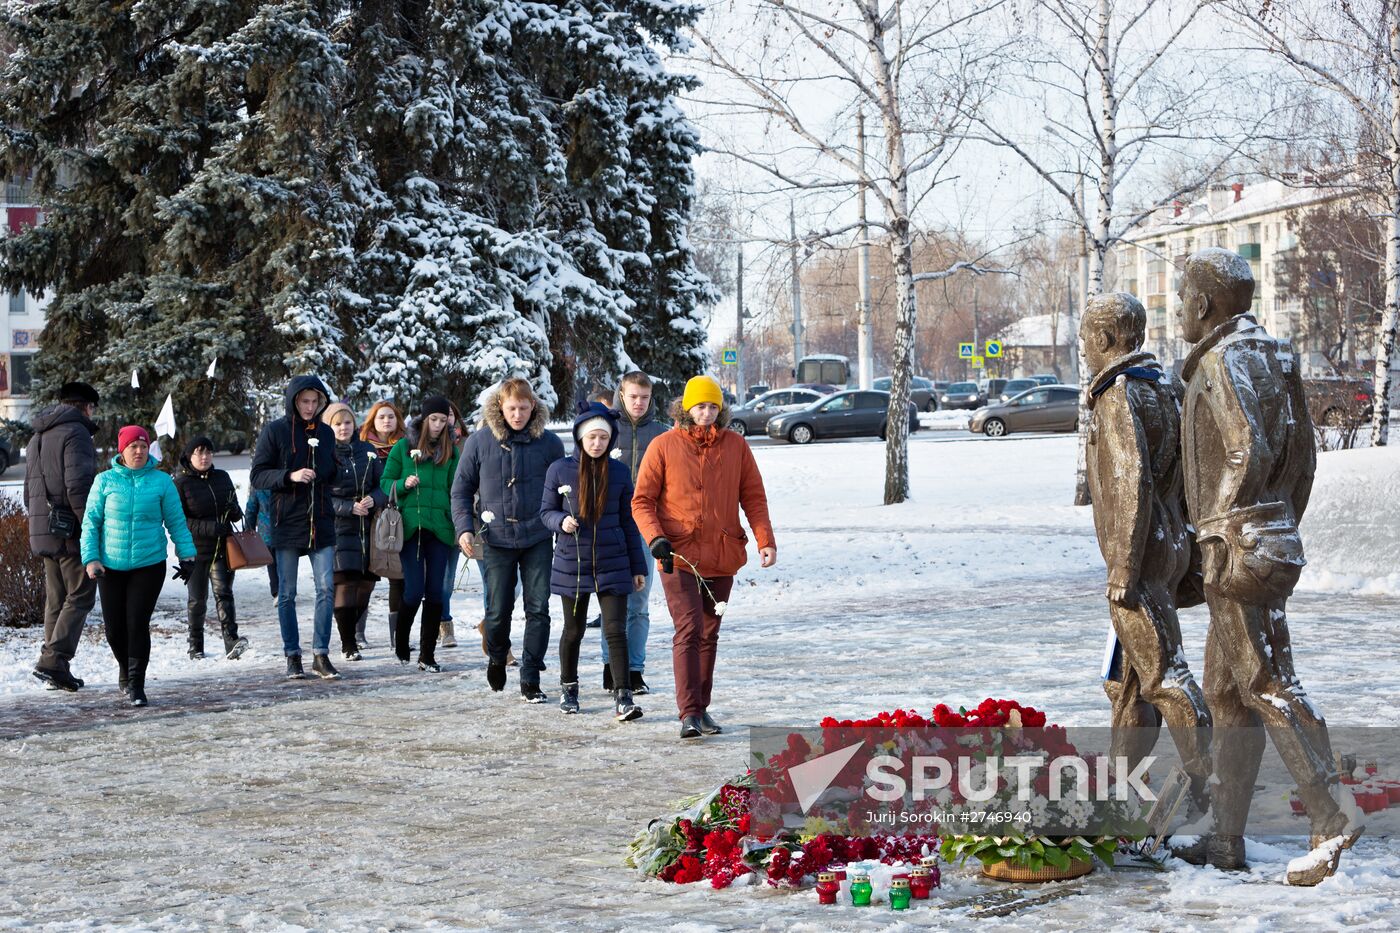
588 505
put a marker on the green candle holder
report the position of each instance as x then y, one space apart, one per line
860 890
899 894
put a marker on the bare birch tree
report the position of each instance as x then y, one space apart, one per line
1107 89
918 68
1350 49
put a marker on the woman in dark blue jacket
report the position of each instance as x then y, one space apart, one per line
588 505
355 497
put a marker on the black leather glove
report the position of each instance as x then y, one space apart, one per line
183 570
661 550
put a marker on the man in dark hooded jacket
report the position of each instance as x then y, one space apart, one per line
60 465
637 427
295 460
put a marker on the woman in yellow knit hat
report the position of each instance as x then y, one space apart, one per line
690 487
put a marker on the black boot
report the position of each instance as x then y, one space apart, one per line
568 697
137 681
708 725
124 679
196 641
496 676
428 637
690 727
345 617
607 678
403 628
393 629
360 623
294 669
321 666
639 686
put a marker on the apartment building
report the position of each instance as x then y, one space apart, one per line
1253 219
23 318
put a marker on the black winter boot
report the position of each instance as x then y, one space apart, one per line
124 679
568 697
607 678
196 641
428 635
403 629
137 680
360 623
345 625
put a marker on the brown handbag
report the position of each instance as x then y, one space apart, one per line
246 549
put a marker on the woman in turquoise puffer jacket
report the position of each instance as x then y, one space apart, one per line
123 547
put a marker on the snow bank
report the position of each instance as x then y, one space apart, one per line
1351 530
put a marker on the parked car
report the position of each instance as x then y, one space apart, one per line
752 417
921 392
821 388
6 455
845 414
1044 408
1015 387
992 388
754 392
1046 379
962 395
1338 401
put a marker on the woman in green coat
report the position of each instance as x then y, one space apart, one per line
419 472
130 509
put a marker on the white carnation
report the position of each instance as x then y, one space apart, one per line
313 443
416 454
488 516
720 607
565 490
616 453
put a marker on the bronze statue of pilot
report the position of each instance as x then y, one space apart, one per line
1249 461
1134 473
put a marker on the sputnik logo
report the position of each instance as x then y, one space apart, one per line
811 778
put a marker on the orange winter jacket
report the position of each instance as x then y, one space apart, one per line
689 492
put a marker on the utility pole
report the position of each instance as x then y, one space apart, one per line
796 291
865 336
739 385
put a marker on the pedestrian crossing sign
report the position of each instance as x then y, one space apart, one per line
965 351
994 349
977 362
731 357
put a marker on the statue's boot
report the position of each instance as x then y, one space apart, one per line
1223 852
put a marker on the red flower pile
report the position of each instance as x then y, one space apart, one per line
718 845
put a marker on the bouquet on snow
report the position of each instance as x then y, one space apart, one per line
753 826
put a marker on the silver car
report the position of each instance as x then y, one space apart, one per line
1044 408
752 416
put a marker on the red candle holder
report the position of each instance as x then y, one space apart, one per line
920 883
1392 791
827 887
1371 767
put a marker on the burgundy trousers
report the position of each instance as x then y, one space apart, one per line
696 641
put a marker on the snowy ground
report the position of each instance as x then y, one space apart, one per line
393 801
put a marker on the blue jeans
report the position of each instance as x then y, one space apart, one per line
449 581
532 563
323 572
424 560
638 621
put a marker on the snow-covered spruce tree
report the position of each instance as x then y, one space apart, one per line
531 184
184 154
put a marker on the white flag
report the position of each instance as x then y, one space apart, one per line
155 450
212 363
165 422
135 383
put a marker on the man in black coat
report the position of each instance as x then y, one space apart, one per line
295 460
60 465
211 507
